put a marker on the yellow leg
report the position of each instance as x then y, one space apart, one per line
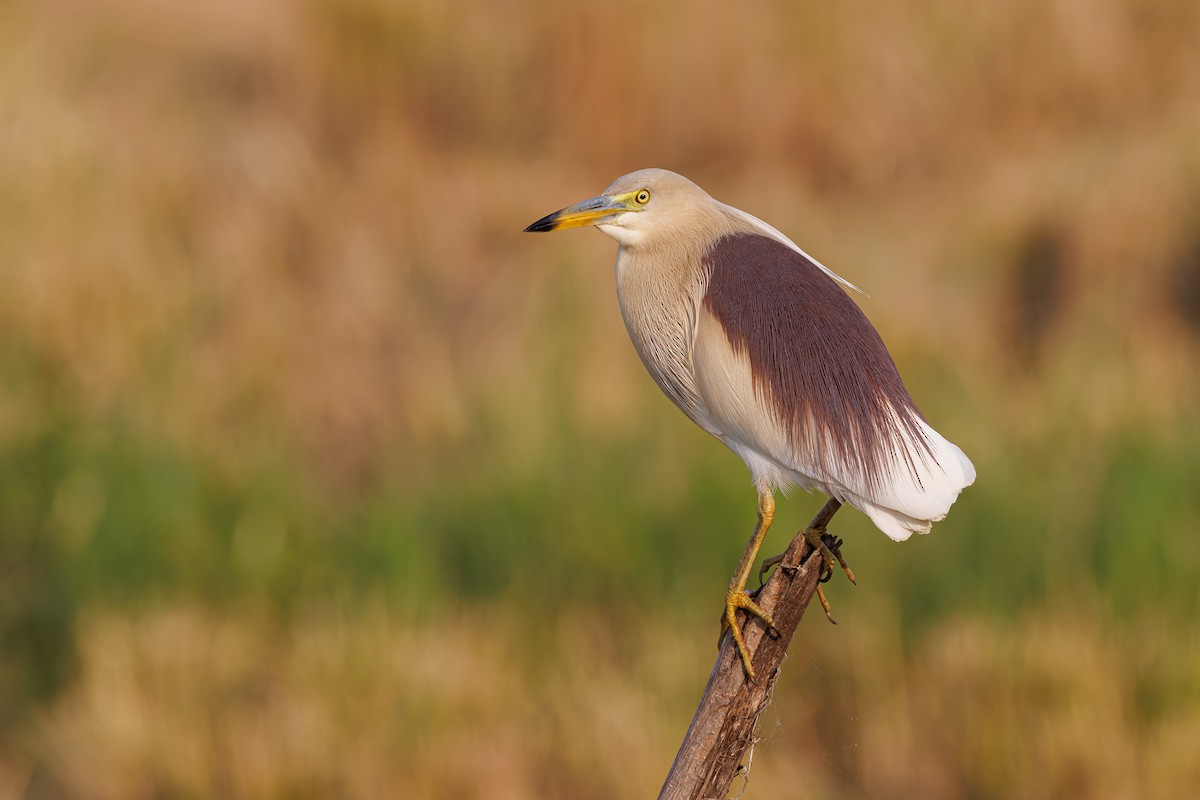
736 596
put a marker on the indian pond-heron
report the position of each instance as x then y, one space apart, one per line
762 346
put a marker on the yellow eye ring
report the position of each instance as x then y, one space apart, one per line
642 197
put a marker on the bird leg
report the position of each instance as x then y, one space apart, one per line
825 545
736 597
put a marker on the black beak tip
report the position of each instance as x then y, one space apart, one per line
543 225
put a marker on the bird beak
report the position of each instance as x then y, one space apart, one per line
595 211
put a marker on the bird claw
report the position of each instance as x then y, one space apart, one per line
772 562
828 548
825 605
743 600
833 545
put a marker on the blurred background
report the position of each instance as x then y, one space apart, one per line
319 478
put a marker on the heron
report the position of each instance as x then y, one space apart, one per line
763 347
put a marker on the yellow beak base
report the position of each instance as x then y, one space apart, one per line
594 211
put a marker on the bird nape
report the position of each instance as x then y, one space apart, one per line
760 346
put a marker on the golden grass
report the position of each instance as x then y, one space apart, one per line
301 223
286 237
181 702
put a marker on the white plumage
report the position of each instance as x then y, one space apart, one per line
760 345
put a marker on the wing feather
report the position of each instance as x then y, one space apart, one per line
801 386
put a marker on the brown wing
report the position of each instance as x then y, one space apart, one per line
814 356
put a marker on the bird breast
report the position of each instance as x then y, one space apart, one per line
660 301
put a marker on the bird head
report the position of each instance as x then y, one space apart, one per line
637 209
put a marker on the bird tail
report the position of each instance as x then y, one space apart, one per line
921 494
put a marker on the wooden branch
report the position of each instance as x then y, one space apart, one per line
720 741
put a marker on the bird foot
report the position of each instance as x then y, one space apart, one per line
828 548
733 601
774 561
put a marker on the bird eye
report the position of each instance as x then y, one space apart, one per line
642 197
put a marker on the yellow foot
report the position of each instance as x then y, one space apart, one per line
829 548
733 601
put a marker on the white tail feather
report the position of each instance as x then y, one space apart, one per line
915 497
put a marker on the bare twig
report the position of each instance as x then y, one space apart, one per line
721 737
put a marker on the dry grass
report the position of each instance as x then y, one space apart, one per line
299 223
182 703
283 239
